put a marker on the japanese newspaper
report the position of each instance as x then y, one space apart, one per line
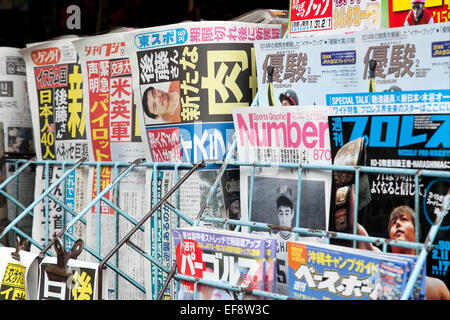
177 66
17 132
296 135
328 272
18 275
192 195
313 17
305 69
224 256
14 104
398 129
3 205
188 199
113 134
56 100
157 233
54 82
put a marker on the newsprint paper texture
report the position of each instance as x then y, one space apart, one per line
17 131
54 83
113 134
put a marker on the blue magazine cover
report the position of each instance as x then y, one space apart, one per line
325 273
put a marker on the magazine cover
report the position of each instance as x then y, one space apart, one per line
313 17
393 130
55 90
300 71
219 255
177 66
391 274
113 134
329 273
18 274
419 289
81 283
296 135
404 59
417 12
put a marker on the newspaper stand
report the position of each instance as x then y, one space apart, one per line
68 167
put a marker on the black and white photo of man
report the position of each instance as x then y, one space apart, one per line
274 201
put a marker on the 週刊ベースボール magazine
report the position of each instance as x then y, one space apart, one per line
332 272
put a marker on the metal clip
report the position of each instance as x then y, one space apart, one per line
59 272
20 245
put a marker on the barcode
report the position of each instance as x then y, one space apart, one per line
311 24
297 24
278 155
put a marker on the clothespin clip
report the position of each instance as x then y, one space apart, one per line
20 245
59 272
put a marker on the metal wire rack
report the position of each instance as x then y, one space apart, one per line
229 162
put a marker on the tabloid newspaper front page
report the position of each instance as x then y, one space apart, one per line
176 67
113 134
17 133
296 135
186 78
54 82
82 283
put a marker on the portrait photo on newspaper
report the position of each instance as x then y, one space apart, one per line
274 201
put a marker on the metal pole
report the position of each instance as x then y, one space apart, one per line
141 222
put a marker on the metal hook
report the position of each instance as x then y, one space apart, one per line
20 245
59 272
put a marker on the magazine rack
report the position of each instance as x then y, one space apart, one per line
229 161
